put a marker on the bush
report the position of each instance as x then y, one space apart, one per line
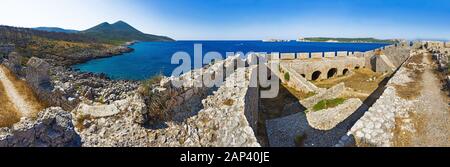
325 104
148 84
300 140
287 77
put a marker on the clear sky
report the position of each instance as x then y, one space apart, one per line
242 19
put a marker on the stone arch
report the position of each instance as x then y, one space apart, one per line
357 68
332 73
345 72
316 75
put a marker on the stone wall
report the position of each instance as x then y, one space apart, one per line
330 54
302 55
308 67
331 93
52 128
317 55
251 102
295 80
225 121
342 53
375 128
38 77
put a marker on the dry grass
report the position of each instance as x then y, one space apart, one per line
402 138
8 113
358 82
412 89
298 94
26 92
228 102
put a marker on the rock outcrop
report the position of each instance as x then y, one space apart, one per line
52 128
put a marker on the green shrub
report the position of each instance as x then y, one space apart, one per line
325 104
287 77
300 140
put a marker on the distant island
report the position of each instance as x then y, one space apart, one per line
349 40
56 29
116 33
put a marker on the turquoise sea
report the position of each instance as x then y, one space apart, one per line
151 58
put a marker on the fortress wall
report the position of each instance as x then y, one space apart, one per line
251 101
367 56
330 54
317 55
296 80
376 127
307 68
287 56
274 56
342 54
302 55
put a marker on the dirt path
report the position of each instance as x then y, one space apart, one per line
21 102
433 122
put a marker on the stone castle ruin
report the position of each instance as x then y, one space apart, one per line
233 114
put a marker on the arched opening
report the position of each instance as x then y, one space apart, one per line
331 73
316 75
345 72
357 67
303 75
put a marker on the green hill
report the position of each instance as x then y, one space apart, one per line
120 32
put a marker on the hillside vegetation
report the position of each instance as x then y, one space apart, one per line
120 32
54 46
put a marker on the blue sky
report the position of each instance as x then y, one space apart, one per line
242 19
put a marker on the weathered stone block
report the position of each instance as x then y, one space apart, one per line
317 55
330 54
302 55
287 56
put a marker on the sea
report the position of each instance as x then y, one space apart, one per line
153 58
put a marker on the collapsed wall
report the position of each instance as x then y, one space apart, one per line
225 121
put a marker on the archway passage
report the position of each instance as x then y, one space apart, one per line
331 73
345 72
316 75
357 67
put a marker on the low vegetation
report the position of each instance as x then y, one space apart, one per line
148 84
26 92
300 140
287 76
331 103
228 102
156 101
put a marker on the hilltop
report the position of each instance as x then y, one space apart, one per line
120 32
